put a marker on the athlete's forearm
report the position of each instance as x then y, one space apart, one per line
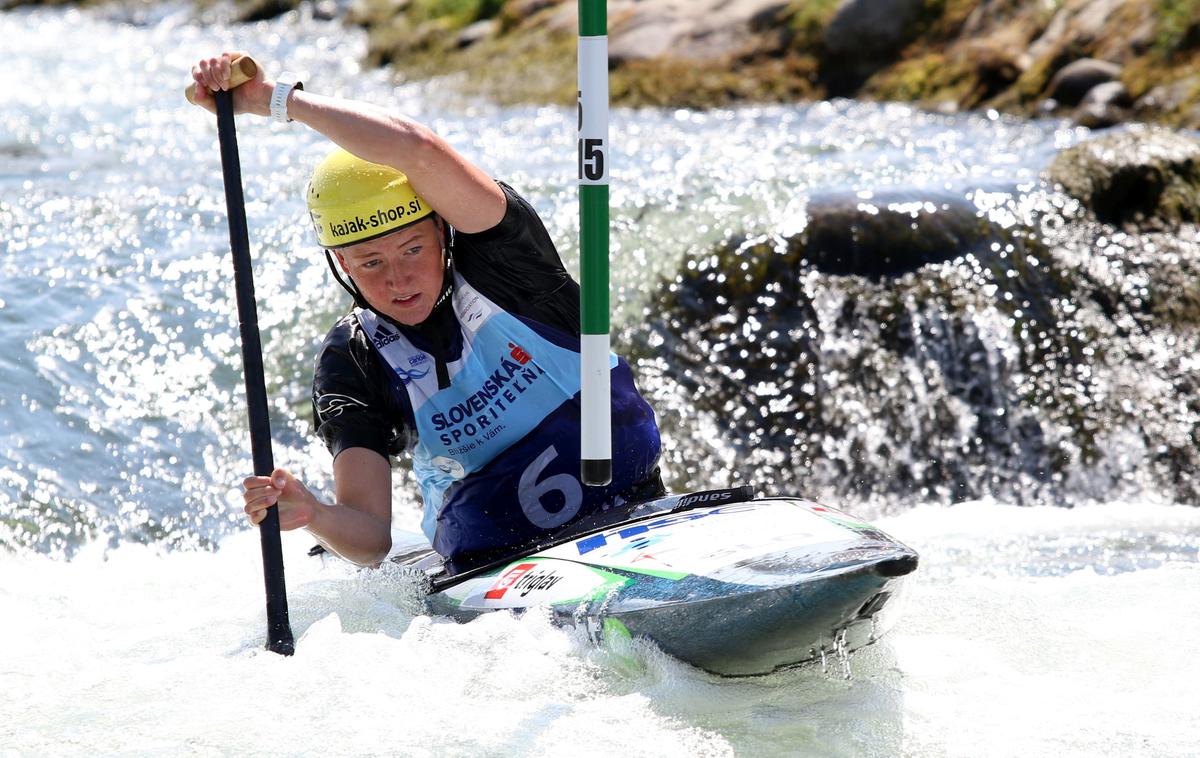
461 192
365 130
356 536
453 186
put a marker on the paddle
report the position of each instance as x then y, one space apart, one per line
595 386
279 630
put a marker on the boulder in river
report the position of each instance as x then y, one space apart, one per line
891 234
1072 82
863 350
1104 105
1144 177
907 345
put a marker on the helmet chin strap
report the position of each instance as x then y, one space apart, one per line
350 287
448 265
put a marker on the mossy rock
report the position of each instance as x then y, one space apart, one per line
674 83
749 329
930 78
1143 177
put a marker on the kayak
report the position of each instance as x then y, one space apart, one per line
732 584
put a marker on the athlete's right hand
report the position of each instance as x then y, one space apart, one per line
212 74
297 506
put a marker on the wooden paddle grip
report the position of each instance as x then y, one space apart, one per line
241 71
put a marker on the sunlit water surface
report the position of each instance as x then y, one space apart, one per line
130 592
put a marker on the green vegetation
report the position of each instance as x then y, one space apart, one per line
1178 27
941 20
807 20
929 78
454 13
674 83
506 69
528 55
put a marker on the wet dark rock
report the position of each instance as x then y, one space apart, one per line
1105 105
862 37
8 5
1100 117
1143 177
1034 361
1076 79
888 235
836 357
263 10
870 28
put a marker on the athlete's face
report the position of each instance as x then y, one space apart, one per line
400 274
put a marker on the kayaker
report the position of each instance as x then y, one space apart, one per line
462 347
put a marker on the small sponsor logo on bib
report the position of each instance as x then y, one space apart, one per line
384 337
449 466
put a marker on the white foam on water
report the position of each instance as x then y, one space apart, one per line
1005 652
139 652
134 651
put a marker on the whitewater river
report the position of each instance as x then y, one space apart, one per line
131 612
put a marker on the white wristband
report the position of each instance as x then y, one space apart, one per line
279 97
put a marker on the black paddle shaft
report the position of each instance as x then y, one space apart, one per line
279 630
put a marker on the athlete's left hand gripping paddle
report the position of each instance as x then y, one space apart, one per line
279 630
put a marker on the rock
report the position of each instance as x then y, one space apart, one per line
1091 18
1106 29
325 10
705 30
1104 105
1169 98
1108 94
995 64
1050 40
564 19
890 235
476 32
519 10
987 16
783 339
646 35
871 28
862 37
263 10
1097 116
1075 80
1146 177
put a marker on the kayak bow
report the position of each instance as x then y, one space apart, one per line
734 585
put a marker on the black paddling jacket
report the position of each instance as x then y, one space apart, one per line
514 263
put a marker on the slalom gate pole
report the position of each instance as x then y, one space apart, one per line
279 630
596 390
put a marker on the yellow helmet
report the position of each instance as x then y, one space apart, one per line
351 200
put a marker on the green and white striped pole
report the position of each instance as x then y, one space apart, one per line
596 391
